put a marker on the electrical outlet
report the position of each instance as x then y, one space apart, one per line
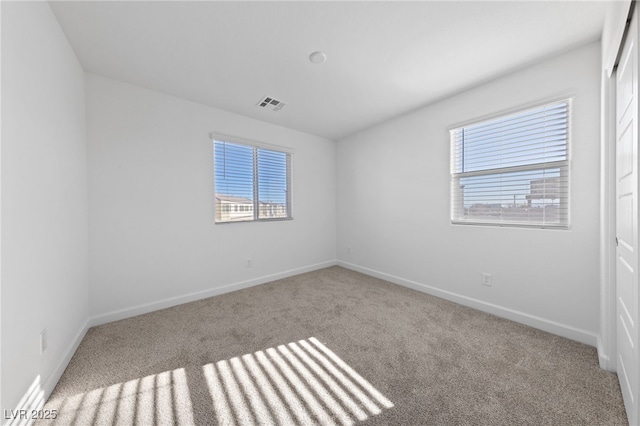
487 279
249 263
43 341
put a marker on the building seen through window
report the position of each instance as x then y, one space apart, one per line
513 170
251 183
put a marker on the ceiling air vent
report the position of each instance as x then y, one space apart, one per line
271 103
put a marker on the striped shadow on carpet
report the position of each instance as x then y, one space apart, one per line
438 363
302 382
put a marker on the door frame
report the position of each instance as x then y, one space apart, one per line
607 344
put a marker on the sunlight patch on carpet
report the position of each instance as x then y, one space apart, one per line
302 382
161 398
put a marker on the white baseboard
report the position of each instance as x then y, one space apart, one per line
179 300
604 359
33 399
41 389
553 327
40 392
51 382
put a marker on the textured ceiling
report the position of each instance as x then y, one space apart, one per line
384 58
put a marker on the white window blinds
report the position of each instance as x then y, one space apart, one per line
251 182
513 170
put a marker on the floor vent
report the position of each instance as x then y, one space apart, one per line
271 103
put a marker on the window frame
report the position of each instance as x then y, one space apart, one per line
255 207
564 167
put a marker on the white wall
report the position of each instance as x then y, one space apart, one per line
44 199
393 206
153 241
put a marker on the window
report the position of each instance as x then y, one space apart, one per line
513 170
252 182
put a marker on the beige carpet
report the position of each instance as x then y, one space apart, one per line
331 347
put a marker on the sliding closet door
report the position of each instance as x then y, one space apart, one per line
627 222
